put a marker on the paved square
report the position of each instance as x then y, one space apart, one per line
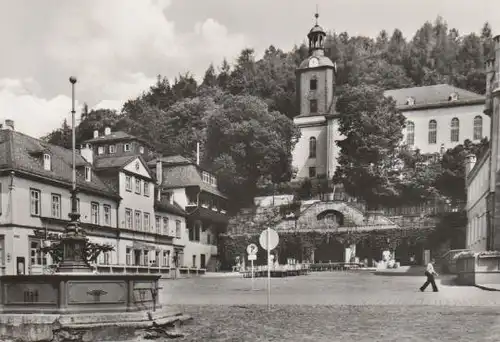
334 307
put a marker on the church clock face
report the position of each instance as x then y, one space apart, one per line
313 62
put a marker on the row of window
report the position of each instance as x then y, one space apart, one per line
112 149
138 257
55 212
133 257
209 179
141 187
454 131
141 258
137 220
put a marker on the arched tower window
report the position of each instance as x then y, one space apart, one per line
313 83
455 130
410 133
312 147
478 127
432 132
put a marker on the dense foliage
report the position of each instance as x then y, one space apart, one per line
372 128
239 112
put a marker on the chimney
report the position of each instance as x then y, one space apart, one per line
470 161
96 134
87 153
159 171
107 131
490 73
496 84
9 124
197 153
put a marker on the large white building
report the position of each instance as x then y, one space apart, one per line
438 117
483 201
118 199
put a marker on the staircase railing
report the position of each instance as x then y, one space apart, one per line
448 262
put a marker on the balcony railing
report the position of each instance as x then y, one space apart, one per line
192 205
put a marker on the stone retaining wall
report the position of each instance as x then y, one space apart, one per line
478 270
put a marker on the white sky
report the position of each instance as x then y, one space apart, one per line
117 47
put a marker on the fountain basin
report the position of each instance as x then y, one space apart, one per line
81 306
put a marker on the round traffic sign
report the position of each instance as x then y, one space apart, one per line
252 249
273 239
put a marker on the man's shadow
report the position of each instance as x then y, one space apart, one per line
448 280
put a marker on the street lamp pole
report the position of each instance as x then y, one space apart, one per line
73 240
72 80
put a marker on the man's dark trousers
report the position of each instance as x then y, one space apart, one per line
430 280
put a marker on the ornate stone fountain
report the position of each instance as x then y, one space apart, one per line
74 304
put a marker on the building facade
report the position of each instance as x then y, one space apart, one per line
196 191
438 117
483 195
118 199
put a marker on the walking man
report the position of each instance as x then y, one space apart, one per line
430 273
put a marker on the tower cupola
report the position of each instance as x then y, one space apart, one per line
316 38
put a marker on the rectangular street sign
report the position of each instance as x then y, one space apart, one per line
252 257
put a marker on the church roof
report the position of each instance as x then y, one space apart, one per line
317 29
323 61
439 95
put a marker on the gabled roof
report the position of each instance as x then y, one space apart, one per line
119 162
115 136
171 160
164 206
433 96
180 172
113 162
20 152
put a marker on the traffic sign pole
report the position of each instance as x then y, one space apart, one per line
268 269
253 287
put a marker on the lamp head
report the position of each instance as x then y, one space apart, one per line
72 79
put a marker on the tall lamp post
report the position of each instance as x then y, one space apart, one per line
73 240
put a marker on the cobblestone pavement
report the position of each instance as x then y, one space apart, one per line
334 307
326 288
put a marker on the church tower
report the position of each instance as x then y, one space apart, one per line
316 152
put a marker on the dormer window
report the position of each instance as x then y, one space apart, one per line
100 150
453 97
88 174
410 101
141 150
46 162
126 147
112 149
206 177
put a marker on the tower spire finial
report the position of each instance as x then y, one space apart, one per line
316 15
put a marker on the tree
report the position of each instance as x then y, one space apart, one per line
210 78
224 75
451 182
246 142
97 120
61 137
372 128
184 124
